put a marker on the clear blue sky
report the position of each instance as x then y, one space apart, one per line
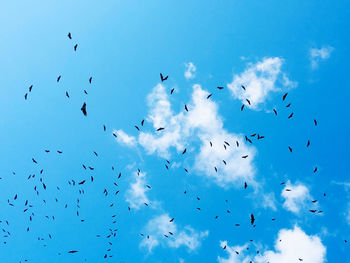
124 45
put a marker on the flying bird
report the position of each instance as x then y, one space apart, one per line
275 112
90 80
284 96
69 35
290 116
160 129
220 88
58 78
75 47
163 78
83 109
252 219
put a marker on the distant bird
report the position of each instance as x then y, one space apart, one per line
315 121
90 80
275 112
242 107
209 95
290 116
171 220
67 95
58 78
172 91
163 78
308 143
288 105
245 185
104 127
284 96
244 156
85 92
69 35
242 87
26 96
83 109
252 219
142 122
160 129
184 151
186 108
72 251
75 47
315 170
30 88
137 128
248 101
220 88
290 149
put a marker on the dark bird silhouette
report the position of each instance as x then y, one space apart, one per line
172 91
72 251
284 96
308 143
220 88
184 151
137 128
242 107
58 78
26 96
83 109
75 47
30 88
90 80
288 105
142 122
104 127
275 112
290 116
69 35
67 95
163 78
186 108
244 156
245 185
209 95
315 121
315 170
34 161
242 87
252 219
160 129
248 101
290 149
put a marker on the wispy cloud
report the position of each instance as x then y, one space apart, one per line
295 197
290 246
136 194
190 70
260 81
160 226
317 55
201 124
124 138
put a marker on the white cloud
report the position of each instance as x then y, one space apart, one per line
290 245
316 55
159 226
136 194
124 138
260 81
190 70
202 123
296 198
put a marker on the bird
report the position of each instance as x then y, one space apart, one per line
245 185
83 109
69 35
104 127
26 96
243 87
220 88
308 143
160 129
315 170
290 116
242 107
163 78
290 149
209 95
284 96
72 251
30 88
75 47
252 219
142 122
137 128
186 108
315 122
275 111
184 151
58 78
67 95
244 156
172 91
248 101
90 80
288 105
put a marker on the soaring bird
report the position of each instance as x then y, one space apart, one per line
160 129
172 91
275 112
248 101
242 87
163 78
284 96
290 116
75 47
209 95
242 107
90 80
308 143
83 109
290 149
30 88
184 151
67 95
25 96
252 219
69 35
58 78
220 88
186 108
315 121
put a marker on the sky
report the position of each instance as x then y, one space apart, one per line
150 200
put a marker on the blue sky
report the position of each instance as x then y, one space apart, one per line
270 47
